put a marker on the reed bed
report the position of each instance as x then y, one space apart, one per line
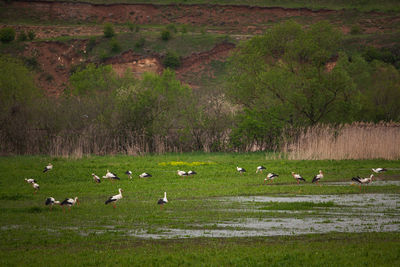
350 141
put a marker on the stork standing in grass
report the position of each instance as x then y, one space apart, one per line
145 175
240 170
111 176
96 178
48 167
69 202
129 173
36 187
30 181
50 201
270 177
379 170
363 181
298 177
260 169
318 177
162 201
115 198
191 173
182 173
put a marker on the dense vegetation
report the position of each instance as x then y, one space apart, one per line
281 80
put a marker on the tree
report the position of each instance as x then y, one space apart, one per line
93 79
7 35
108 30
285 69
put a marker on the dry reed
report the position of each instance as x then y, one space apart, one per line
350 141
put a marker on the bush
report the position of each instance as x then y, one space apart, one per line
7 35
31 35
140 43
108 30
171 60
165 35
115 46
172 28
355 29
22 37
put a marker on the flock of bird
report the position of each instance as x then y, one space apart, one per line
69 202
271 176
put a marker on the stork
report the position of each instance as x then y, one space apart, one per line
260 169
318 177
270 177
69 202
48 167
162 201
379 170
36 187
115 198
111 176
191 172
50 201
363 181
96 178
129 173
298 177
182 173
240 170
145 175
30 181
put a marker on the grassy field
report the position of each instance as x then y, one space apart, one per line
366 5
93 233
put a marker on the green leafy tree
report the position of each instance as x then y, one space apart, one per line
7 35
94 79
108 30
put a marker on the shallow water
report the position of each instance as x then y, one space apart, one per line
356 213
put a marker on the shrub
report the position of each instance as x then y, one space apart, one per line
165 35
140 43
355 29
108 30
7 35
171 60
31 35
115 46
22 37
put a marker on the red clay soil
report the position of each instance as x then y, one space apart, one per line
56 58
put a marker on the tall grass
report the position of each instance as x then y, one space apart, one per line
350 141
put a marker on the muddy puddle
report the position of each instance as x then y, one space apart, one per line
374 183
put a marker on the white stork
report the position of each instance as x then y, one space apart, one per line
145 175
129 173
182 173
69 202
379 170
298 177
318 177
191 172
50 201
162 201
270 177
363 181
260 169
36 187
96 178
240 170
48 167
115 198
30 181
111 176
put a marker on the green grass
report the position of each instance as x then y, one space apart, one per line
94 233
363 5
